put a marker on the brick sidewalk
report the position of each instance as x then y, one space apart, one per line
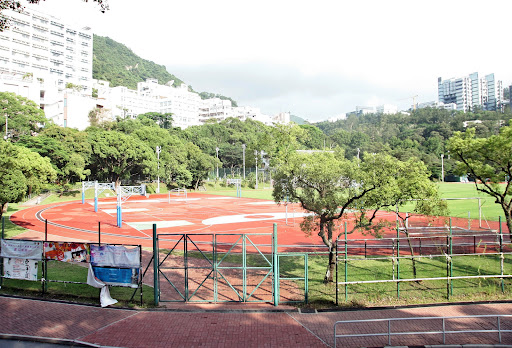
225 327
129 328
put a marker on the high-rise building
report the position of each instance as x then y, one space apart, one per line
470 92
42 45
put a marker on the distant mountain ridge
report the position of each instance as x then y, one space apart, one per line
117 64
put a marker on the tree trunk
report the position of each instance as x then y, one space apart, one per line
3 207
413 259
508 219
331 267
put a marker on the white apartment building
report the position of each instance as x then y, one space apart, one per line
437 105
151 97
40 55
45 46
380 109
386 109
218 109
468 92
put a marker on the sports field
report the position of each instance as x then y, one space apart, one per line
196 214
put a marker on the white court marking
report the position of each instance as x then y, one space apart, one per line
261 203
134 210
222 197
148 225
232 219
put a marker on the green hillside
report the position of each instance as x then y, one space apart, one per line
116 63
297 119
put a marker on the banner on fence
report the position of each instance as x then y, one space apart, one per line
16 268
67 252
105 298
115 256
118 276
22 249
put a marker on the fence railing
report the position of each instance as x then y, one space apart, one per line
483 326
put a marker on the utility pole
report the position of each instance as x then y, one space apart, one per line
256 156
158 150
217 152
442 167
243 149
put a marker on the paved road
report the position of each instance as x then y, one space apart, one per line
216 326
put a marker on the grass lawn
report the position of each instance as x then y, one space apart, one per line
457 208
386 294
81 293
460 208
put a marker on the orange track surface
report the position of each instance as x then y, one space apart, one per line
77 221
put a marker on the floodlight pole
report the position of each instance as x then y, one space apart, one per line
256 156
442 167
243 156
217 152
158 150
6 137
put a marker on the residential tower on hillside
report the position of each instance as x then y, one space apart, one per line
470 92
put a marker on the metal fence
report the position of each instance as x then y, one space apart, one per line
417 326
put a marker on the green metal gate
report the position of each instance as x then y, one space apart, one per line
215 267
292 282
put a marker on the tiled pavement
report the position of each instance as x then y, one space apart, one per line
227 326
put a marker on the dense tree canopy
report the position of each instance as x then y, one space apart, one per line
22 172
21 116
421 134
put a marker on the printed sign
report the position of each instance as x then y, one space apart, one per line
115 256
118 276
20 268
22 249
66 252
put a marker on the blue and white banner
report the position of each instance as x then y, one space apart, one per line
115 256
118 276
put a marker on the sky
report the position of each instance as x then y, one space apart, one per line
315 59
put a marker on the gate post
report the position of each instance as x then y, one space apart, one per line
155 266
276 266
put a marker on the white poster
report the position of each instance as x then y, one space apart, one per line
20 268
115 256
22 249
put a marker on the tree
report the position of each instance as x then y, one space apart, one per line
163 120
68 150
329 185
99 116
489 162
21 172
199 164
13 186
116 156
24 117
